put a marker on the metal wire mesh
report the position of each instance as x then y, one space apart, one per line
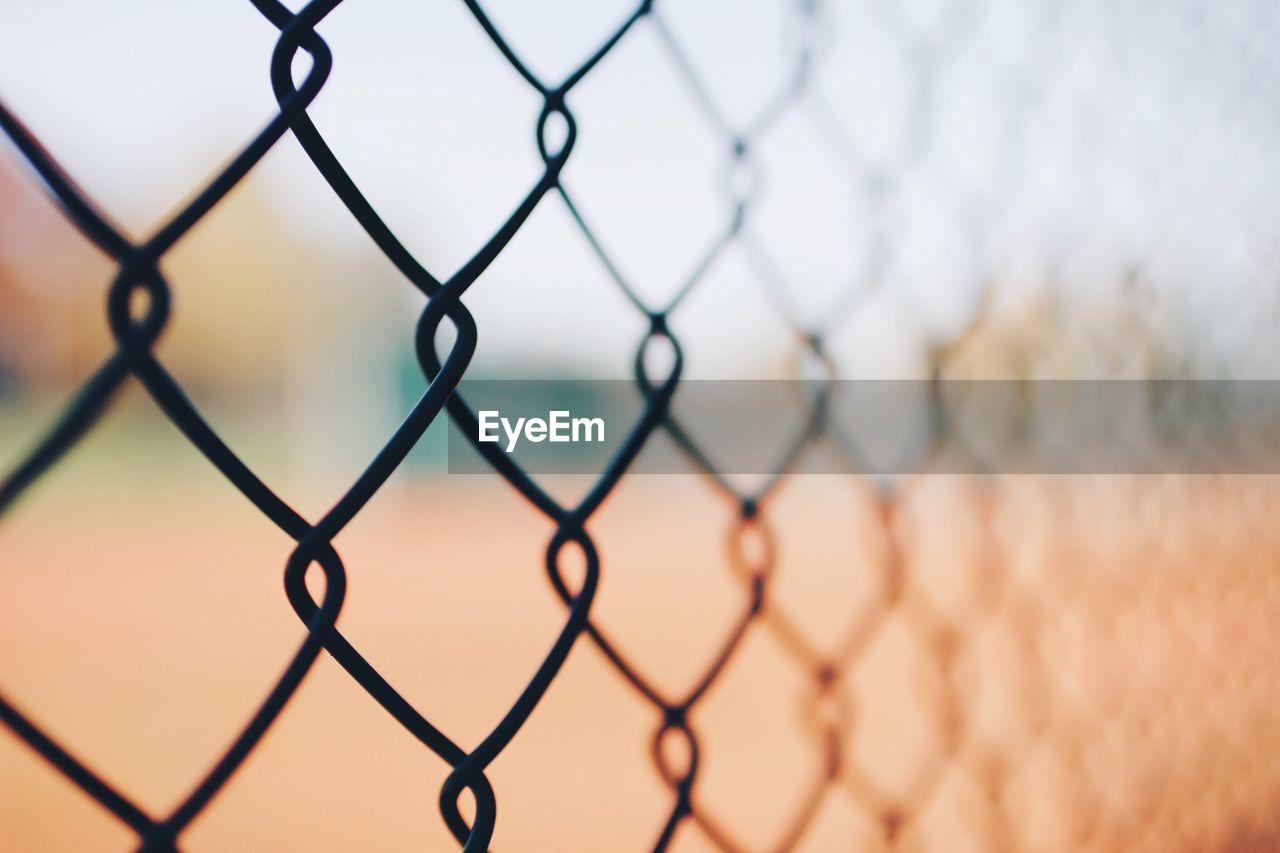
997 601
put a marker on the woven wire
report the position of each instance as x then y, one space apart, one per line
138 310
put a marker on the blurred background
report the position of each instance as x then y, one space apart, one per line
1014 189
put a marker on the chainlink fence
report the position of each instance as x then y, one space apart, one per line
1042 639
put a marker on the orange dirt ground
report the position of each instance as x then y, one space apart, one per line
1056 665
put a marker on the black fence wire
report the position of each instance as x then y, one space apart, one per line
139 309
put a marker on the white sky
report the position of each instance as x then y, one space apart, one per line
1150 139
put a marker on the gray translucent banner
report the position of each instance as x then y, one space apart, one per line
883 428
